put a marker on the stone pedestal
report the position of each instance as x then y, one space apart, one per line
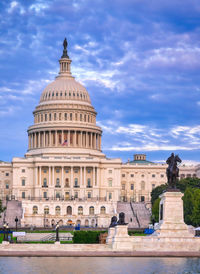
121 239
171 221
111 232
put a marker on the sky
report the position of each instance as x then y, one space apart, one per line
138 59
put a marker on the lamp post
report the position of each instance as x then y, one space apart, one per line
4 232
16 221
57 232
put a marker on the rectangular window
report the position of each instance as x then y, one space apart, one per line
153 186
45 117
7 174
110 183
80 117
66 170
162 175
89 171
7 186
110 195
76 171
60 116
153 175
49 116
65 116
110 171
76 194
123 187
89 194
23 182
54 116
123 175
132 186
23 170
70 116
45 194
57 170
132 175
23 195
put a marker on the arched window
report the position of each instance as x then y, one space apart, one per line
78 222
69 210
93 223
66 182
80 210
86 223
103 210
88 182
142 185
57 210
44 182
57 182
46 210
91 210
35 210
75 182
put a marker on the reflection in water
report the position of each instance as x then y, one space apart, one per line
97 265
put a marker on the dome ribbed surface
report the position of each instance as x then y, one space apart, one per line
65 89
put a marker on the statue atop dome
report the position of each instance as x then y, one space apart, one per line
65 55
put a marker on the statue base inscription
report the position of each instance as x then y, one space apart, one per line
171 223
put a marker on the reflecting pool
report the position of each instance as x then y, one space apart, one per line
98 265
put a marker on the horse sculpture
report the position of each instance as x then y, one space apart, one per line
172 170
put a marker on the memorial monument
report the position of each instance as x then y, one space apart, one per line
171 218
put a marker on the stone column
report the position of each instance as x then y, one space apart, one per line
95 141
91 139
68 138
36 176
84 176
29 141
50 139
40 176
62 177
98 177
81 139
39 145
75 138
94 182
49 176
99 142
56 138
53 183
81 176
71 178
35 143
44 139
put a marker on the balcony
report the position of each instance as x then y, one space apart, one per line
76 186
57 186
89 186
45 186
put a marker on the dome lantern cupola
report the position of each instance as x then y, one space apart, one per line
65 62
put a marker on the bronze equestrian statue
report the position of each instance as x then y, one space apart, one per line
172 171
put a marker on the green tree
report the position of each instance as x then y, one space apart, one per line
156 192
155 209
188 205
196 210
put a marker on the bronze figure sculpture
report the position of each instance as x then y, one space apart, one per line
121 219
172 171
65 55
113 221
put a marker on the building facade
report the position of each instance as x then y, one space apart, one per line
64 175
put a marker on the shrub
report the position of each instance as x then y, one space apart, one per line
86 237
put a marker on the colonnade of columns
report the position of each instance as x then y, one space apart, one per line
73 173
69 138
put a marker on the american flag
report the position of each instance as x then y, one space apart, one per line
64 143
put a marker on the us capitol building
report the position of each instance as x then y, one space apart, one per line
64 175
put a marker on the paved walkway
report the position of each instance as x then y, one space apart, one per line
78 250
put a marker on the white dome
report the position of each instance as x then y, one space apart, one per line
64 88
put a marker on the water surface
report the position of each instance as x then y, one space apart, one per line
97 265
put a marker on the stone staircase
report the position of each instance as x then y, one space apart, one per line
13 209
130 218
136 214
143 214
